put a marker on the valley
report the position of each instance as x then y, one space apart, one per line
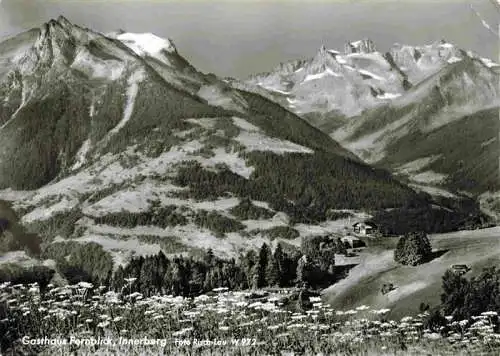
120 161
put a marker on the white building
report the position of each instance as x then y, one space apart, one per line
363 228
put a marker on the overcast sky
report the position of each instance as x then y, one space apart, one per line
240 37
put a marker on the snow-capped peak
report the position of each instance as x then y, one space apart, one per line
362 46
146 44
445 44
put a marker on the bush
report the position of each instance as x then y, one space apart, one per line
245 210
217 223
413 249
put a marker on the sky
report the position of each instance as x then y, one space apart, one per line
242 37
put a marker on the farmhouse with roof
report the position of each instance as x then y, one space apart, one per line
364 228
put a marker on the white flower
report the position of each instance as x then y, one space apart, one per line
283 335
489 313
85 285
381 311
4 285
362 307
103 324
433 336
182 332
220 289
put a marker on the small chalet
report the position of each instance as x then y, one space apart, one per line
364 228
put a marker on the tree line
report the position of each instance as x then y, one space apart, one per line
312 266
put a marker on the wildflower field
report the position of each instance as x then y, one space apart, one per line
88 320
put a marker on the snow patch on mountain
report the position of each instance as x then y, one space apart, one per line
489 63
446 45
341 60
388 96
371 59
135 79
454 59
278 91
25 95
147 44
327 72
81 155
370 74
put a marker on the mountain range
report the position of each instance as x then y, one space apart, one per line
117 140
427 113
